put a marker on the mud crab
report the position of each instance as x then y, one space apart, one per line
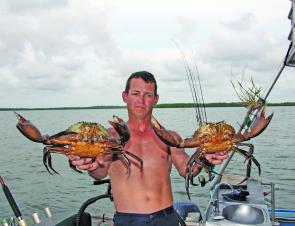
83 139
214 137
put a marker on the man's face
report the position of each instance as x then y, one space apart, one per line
140 98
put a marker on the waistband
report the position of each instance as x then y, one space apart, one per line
160 213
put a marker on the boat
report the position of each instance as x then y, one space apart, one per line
249 203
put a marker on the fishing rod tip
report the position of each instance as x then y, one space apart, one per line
1 180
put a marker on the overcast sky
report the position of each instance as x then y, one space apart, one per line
62 53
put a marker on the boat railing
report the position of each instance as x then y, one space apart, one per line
271 201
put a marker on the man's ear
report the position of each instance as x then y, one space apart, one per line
124 96
156 99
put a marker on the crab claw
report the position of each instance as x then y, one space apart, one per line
28 129
258 126
164 135
121 128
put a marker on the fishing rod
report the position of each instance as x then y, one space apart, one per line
12 203
197 94
201 91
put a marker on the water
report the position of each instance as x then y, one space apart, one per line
34 189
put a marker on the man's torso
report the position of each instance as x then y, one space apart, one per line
148 190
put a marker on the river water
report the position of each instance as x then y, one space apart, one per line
34 189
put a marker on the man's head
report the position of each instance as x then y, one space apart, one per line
140 94
145 76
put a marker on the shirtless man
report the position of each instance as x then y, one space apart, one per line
143 197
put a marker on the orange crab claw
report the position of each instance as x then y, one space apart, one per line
121 128
192 142
258 126
28 129
164 135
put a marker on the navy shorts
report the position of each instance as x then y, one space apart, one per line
167 217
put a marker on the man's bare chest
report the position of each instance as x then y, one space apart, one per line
149 149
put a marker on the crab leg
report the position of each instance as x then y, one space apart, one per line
119 155
196 158
126 162
136 158
74 167
249 156
248 172
47 159
188 174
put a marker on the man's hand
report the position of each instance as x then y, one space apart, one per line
89 164
83 163
217 157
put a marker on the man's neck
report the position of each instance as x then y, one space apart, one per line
139 125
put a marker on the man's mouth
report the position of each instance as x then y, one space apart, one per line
139 107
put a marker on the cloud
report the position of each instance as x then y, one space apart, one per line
74 53
19 6
240 47
186 28
48 50
241 22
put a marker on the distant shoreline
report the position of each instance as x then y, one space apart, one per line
168 105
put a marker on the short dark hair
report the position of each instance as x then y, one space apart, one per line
145 76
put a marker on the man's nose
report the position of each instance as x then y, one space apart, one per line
141 98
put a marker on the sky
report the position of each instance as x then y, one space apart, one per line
73 53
